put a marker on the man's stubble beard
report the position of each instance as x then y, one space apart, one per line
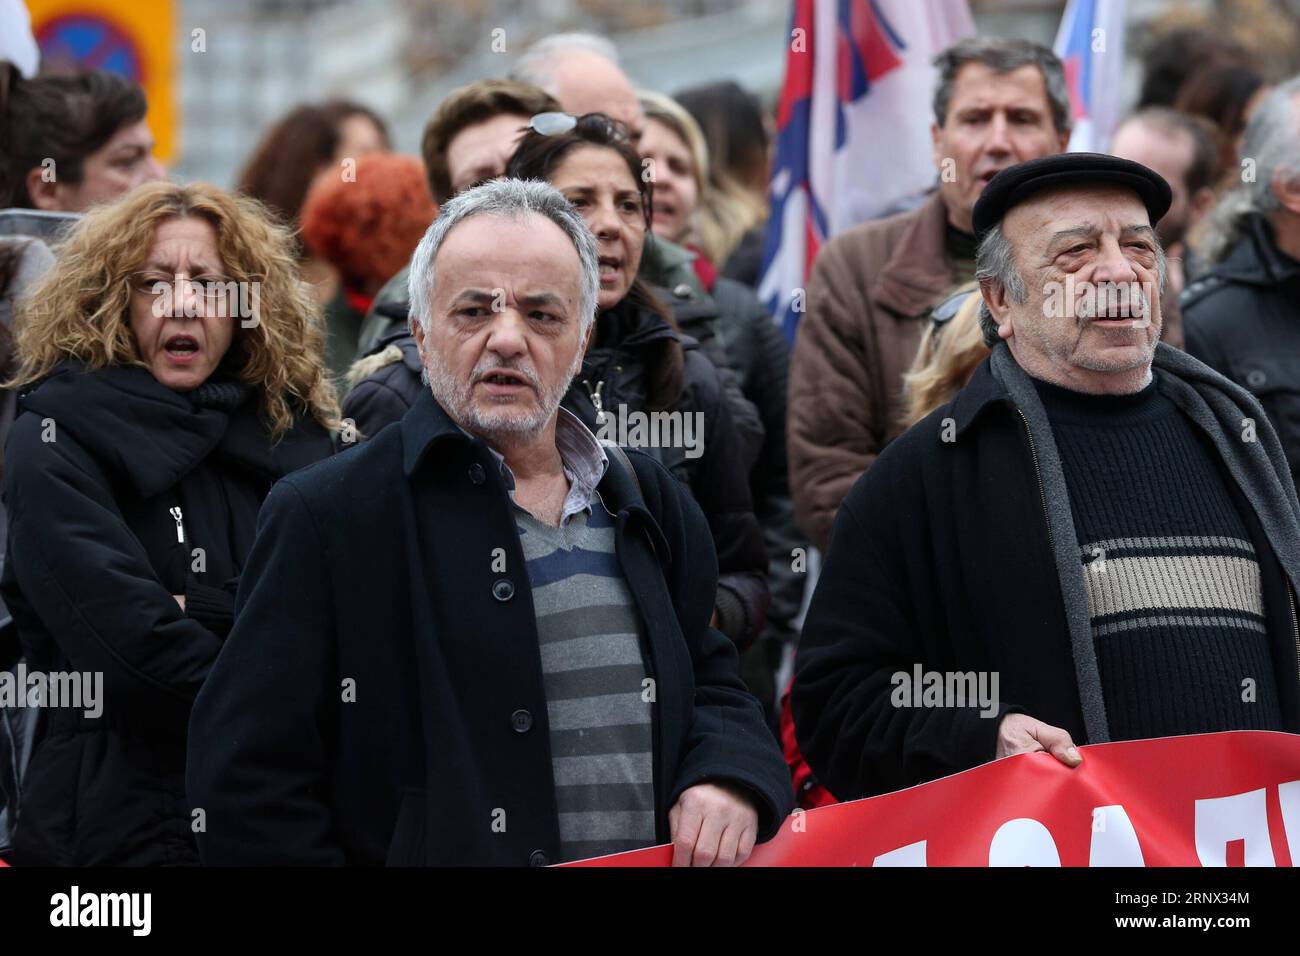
1099 364
1070 353
457 400
1139 336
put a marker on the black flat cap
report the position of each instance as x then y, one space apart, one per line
1017 183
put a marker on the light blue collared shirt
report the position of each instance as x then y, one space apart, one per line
584 462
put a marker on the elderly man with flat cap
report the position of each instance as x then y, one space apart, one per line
1098 539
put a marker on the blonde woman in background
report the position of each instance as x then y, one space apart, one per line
951 349
697 203
738 131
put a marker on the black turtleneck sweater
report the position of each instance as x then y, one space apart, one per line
1172 559
961 247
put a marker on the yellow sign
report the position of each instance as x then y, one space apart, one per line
135 38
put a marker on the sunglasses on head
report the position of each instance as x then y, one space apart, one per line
554 124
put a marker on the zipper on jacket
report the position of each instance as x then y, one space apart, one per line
1038 476
180 528
1295 625
594 394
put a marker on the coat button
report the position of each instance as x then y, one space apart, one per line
476 474
502 589
538 858
1255 378
521 721
682 291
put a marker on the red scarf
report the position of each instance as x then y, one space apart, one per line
705 269
359 301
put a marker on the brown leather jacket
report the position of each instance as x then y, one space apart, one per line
870 293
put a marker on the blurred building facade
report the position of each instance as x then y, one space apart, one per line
400 57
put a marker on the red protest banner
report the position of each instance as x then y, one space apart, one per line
1228 799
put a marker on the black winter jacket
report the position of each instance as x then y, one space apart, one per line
367 575
121 494
754 348
942 554
385 383
745 264
613 377
615 365
1241 317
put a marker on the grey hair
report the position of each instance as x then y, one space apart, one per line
1002 55
536 65
514 199
995 262
1272 142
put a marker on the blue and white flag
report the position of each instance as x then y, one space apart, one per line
1090 43
853 127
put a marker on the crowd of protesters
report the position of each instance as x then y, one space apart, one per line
349 483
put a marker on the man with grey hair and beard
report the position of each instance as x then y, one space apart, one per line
1098 519
483 636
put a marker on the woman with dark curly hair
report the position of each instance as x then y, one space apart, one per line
169 372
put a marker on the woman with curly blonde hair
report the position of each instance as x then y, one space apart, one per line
169 371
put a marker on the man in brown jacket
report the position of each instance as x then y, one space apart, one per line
999 102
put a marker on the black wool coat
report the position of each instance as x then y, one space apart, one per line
113 482
380 699
942 555
615 376
616 369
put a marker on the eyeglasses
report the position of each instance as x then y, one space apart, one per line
210 288
553 124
